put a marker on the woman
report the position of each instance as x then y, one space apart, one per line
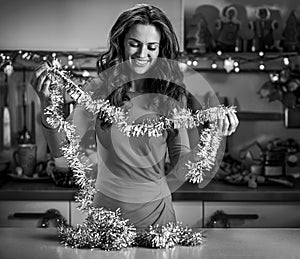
137 72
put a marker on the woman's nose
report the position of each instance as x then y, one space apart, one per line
143 51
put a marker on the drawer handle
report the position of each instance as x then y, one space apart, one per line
224 218
51 214
27 215
238 216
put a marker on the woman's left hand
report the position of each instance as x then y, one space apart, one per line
228 125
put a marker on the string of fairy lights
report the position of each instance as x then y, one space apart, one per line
242 62
218 61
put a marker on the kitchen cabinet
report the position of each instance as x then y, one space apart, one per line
276 206
26 213
189 213
268 214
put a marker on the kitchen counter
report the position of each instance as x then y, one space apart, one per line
214 191
33 243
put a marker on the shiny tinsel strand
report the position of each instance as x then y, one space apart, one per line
209 138
102 229
106 229
168 236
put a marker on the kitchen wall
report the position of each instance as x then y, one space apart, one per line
70 24
83 25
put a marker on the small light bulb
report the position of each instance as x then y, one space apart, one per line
219 52
236 64
236 69
45 58
25 55
214 65
85 73
261 66
70 57
195 63
189 62
70 62
286 61
53 55
261 53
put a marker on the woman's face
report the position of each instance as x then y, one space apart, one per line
141 47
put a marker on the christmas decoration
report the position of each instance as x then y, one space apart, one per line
209 139
168 236
103 228
81 63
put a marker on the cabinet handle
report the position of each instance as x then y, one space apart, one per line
51 214
238 216
27 215
224 218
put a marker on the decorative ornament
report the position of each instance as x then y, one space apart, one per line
103 228
228 64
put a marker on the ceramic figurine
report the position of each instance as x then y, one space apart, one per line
263 27
228 27
200 36
290 41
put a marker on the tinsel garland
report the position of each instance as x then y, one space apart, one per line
106 229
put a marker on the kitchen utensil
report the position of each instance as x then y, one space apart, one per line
24 136
33 122
25 157
6 117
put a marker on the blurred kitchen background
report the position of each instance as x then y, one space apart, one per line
247 54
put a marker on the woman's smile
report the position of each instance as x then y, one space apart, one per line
140 62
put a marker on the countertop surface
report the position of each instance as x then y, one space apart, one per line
214 191
33 243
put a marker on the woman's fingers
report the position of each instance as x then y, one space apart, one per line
233 122
228 125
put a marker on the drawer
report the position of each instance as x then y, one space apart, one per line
8 217
269 214
189 213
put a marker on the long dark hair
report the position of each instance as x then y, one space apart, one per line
168 78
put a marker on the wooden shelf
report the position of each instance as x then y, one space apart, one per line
260 116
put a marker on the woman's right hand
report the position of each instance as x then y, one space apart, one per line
41 83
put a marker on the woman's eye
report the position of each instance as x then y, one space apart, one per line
134 45
152 48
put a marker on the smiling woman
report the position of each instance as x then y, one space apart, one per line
138 74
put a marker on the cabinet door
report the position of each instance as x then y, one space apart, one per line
269 214
189 213
26 213
76 216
